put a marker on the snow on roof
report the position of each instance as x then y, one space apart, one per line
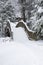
26 26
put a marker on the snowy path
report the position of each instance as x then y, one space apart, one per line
19 34
21 51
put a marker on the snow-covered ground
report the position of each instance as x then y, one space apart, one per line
20 50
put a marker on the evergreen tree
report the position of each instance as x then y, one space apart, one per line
7 12
36 20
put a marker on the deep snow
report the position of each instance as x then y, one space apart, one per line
20 50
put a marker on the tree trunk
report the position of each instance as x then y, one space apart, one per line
23 14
